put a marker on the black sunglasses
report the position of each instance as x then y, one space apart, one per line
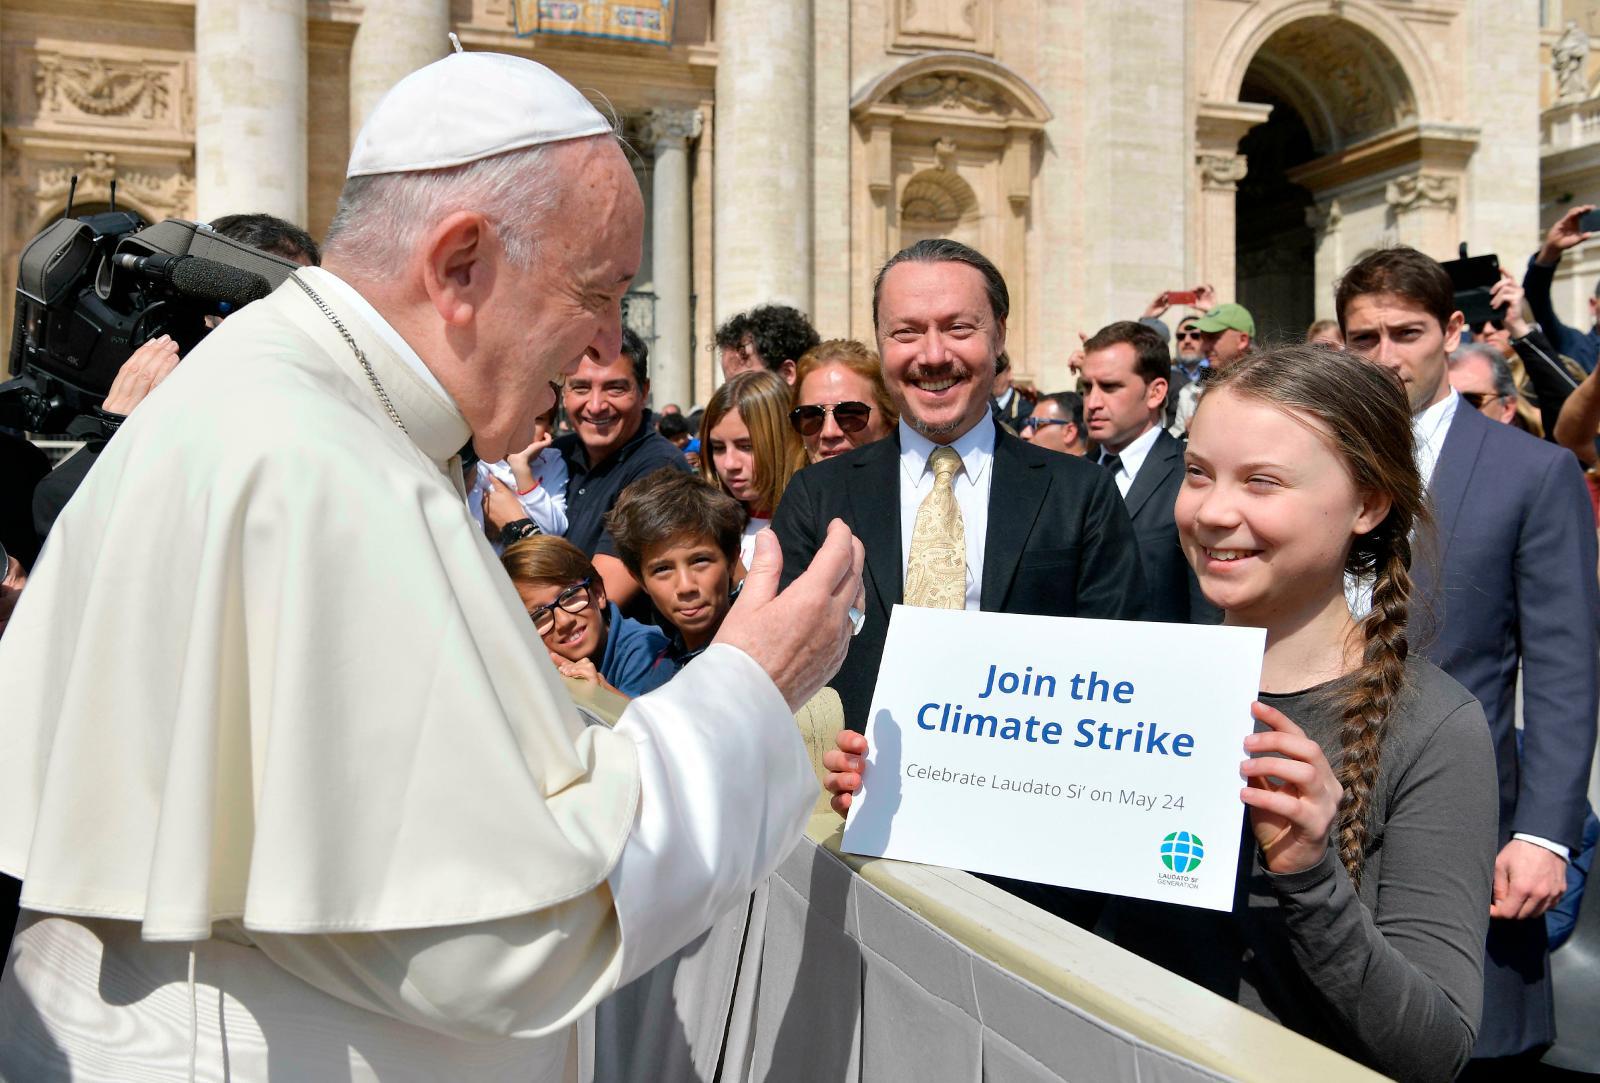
849 416
1478 398
575 599
1040 422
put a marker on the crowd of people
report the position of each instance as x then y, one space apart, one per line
1394 649
1400 501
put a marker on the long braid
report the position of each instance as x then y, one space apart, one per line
1363 412
1376 686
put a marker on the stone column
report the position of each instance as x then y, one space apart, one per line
1326 220
669 131
250 108
395 38
1219 167
1220 175
763 229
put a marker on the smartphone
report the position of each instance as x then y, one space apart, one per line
1474 278
1189 297
1589 221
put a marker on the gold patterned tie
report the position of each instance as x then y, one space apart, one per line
936 573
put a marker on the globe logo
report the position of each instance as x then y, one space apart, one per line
1182 851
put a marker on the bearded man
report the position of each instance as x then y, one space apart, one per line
291 784
995 523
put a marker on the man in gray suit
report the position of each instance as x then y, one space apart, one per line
1510 580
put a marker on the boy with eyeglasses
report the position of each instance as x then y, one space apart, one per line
679 537
587 636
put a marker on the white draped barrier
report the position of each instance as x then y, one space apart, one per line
847 969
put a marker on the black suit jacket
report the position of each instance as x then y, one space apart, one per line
1015 411
1059 542
1511 577
1173 592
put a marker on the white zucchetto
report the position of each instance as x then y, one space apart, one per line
470 106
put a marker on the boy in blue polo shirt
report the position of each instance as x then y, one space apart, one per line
587 636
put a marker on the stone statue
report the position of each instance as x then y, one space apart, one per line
1568 57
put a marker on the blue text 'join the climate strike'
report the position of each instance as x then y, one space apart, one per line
1145 737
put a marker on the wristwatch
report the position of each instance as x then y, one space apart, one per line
518 529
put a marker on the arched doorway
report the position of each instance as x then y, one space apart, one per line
944 146
1274 245
1314 140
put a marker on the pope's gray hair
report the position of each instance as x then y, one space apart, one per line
381 218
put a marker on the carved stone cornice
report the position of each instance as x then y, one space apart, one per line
98 87
1422 191
165 194
668 125
951 91
129 91
1222 172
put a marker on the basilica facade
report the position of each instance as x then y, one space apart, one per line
1099 152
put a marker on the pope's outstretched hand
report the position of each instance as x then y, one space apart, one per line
800 636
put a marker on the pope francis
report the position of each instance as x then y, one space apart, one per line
292 789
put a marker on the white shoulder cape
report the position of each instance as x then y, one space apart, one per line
268 669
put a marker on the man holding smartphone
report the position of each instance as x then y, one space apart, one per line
1573 228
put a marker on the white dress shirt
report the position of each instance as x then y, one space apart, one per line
747 543
971 483
1430 428
1132 458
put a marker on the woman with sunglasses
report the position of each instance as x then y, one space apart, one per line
747 451
840 401
587 636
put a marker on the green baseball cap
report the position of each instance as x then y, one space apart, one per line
1227 317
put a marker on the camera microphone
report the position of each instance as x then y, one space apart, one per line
196 276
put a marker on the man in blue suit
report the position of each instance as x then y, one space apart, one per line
1509 581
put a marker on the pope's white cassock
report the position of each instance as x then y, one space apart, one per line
291 785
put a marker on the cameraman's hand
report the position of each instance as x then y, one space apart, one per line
1156 307
800 636
11 589
1563 235
140 373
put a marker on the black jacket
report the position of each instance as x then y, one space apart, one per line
1059 543
1173 593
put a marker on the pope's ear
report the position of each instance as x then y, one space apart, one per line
457 265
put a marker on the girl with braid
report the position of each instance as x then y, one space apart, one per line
1370 787
1370 827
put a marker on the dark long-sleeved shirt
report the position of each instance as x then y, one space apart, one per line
1392 975
1582 346
1552 382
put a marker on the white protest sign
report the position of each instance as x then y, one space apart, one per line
1095 754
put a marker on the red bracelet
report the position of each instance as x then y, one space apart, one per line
529 489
